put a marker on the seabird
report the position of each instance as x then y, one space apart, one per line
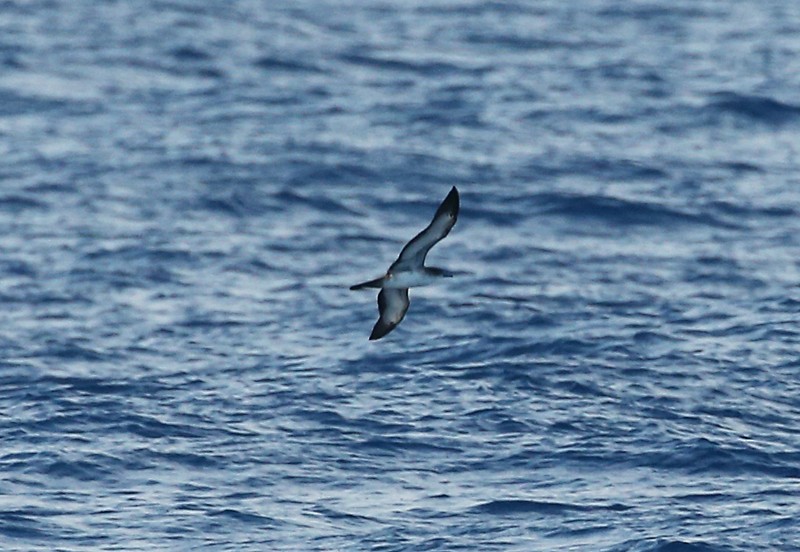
409 269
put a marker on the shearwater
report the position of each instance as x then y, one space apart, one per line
409 269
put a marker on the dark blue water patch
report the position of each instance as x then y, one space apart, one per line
623 212
345 517
515 42
373 423
188 61
127 253
479 9
207 162
784 523
71 416
73 350
681 546
625 170
740 210
252 266
619 70
167 66
24 525
15 204
421 172
152 428
560 347
87 385
232 202
11 60
648 12
79 469
201 72
670 545
496 421
188 460
521 506
716 270
581 389
241 516
46 188
190 53
16 267
566 532
431 544
277 64
650 339
121 278
400 445
205 322
337 172
743 167
705 497
604 116
443 113
702 456
761 109
419 67
13 104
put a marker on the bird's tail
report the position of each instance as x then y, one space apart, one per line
376 283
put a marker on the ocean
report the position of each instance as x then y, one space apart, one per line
188 189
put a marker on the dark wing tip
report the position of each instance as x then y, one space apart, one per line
450 204
381 330
392 304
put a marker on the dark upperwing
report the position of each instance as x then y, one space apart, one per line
415 251
392 304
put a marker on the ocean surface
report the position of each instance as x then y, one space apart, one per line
188 189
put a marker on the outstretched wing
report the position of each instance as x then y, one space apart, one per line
392 304
415 251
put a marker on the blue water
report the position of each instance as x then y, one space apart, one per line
187 189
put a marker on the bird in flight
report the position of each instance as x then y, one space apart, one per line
409 269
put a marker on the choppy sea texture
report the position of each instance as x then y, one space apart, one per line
187 189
